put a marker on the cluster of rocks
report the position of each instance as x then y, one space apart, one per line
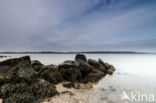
1 56
26 81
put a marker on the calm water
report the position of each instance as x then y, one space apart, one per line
139 64
135 72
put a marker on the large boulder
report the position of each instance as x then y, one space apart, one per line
51 74
16 68
85 68
70 70
80 57
97 65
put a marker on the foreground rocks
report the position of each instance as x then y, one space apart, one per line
26 81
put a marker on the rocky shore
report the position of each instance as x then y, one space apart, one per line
26 81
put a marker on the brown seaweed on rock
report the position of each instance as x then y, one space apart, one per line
26 81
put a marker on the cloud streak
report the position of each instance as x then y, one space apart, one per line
76 25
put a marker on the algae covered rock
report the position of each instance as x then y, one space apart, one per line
80 57
93 76
26 81
27 93
51 74
110 68
43 89
70 71
36 62
97 65
19 67
85 67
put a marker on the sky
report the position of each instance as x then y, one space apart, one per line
78 25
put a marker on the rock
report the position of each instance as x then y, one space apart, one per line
35 92
101 61
80 57
51 74
94 76
16 68
67 92
97 65
23 81
72 85
110 68
51 66
42 89
20 98
1 56
37 65
70 71
85 68
36 62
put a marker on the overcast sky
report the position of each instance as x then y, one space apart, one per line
77 25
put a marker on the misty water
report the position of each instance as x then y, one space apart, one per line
134 73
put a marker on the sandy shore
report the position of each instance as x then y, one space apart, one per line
72 95
110 89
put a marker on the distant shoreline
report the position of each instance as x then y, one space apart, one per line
87 52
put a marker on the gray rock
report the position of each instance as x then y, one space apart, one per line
16 68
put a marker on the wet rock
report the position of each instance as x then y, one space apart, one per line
27 93
21 98
51 66
23 81
43 89
70 71
72 85
97 65
67 92
110 68
16 67
80 57
51 74
94 76
36 65
85 67
36 62
101 61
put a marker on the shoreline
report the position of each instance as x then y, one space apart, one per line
26 80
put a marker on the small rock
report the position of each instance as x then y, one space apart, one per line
72 85
36 62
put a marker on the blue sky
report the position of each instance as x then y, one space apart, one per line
77 25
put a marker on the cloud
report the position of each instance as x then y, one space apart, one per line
65 25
